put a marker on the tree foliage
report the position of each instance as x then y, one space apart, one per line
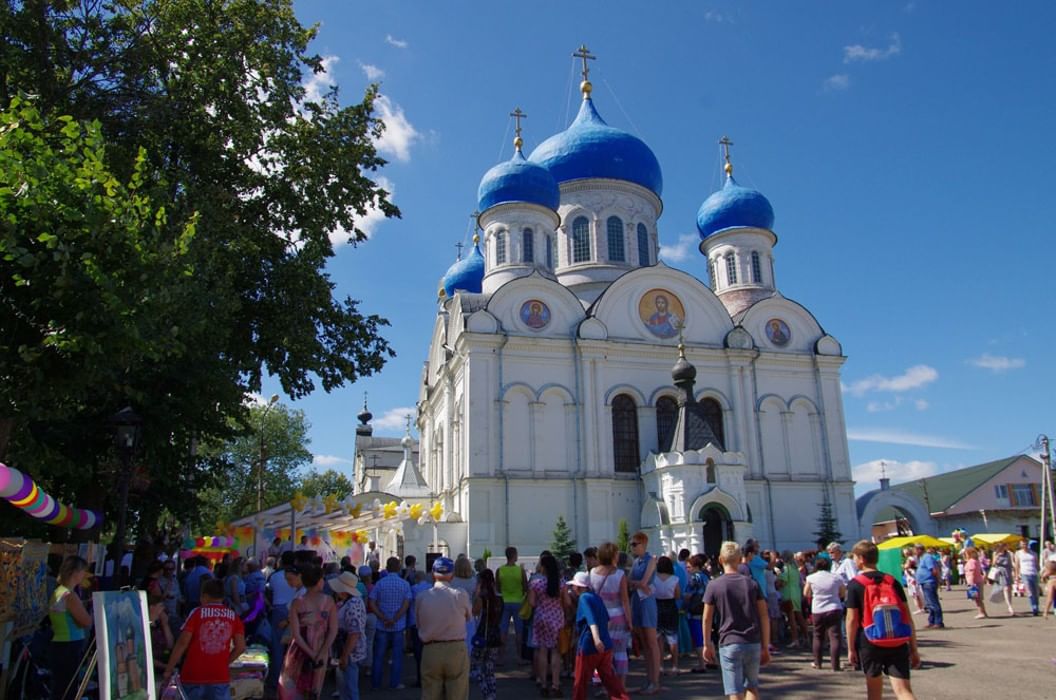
623 536
826 531
562 543
326 483
197 189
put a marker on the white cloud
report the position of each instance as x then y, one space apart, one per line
393 41
681 250
896 436
835 83
882 406
868 474
318 84
396 418
997 363
716 16
921 404
399 134
857 52
252 398
373 73
329 461
913 378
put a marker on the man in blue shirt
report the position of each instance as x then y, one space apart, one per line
594 646
389 600
928 578
192 585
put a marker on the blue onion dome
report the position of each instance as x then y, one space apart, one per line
734 206
591 148
467 274
518 180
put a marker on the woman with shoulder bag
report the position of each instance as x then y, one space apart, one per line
488 638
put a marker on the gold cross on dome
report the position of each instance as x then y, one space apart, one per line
460 245
726 143
407 417
583 53
680 326
517 115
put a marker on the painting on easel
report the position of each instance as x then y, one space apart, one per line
123 642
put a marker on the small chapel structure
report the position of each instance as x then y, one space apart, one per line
572 373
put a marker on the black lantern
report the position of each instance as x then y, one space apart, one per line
127 428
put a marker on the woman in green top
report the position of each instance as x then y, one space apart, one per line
69 625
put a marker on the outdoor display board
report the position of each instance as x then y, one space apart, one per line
23 584
122 638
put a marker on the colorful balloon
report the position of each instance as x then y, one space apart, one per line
22 492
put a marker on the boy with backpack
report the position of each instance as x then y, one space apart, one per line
880 632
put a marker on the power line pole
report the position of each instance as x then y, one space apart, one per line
1046 490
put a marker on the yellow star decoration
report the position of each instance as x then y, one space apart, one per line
298 502
221 526
356 510
389 510
416 511
437 511
362 537
330 504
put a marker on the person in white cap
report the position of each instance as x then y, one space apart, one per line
442 613
351 621
593 645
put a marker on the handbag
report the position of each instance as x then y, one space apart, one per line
525 613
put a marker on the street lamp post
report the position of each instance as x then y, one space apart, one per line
128 428
260 462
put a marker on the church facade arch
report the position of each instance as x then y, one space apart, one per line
632 391
660 392
716 496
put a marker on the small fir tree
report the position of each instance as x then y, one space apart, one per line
623 536
485 555
562 544
827 531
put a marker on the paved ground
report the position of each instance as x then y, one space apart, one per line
987 659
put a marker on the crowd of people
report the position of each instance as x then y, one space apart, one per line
579 617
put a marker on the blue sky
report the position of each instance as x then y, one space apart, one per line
907 149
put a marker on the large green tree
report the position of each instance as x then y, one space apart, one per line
326 483
201 109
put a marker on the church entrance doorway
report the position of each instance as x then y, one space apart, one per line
718 527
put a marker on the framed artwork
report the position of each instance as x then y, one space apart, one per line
122 637
535 314
777 332
661 312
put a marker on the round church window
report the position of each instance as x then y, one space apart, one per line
661 312
535 314
777 332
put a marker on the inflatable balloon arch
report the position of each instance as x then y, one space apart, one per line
22 492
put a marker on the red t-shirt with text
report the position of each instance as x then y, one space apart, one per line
213 627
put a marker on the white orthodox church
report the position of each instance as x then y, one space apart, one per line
571 373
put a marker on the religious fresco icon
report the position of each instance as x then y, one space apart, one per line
661 312
535 314
777 332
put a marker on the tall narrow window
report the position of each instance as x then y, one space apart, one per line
580 240
666 415
711 274
549 253
625 434
757 269
731 269
614 228
643 245
528 246
500 247
713 414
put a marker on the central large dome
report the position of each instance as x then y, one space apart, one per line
590 148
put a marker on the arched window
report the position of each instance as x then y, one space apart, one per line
757 269
731 269
666 415
643 245
580 240
614 227
625 434
500 247
712 279
527 246
549 253
713 414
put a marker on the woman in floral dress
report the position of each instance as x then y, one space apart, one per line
545 594
610 583
313 622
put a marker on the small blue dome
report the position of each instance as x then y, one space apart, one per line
591 148
732 207
518 180
466 275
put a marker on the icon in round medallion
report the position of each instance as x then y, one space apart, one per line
535 314
661 312
777 332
